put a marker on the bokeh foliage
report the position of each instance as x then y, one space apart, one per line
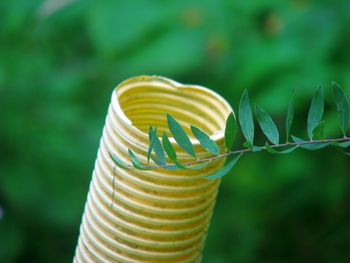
58 66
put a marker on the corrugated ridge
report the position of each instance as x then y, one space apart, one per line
158 215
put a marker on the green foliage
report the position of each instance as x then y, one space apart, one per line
230 131
150 139
343 107
164 166
246 118
168 147
118 162
135 161
267 125
170 151
315 146
193 167
318 132
315 129
226 169
343 144
157 147
205 141
180 136
315 112
273 151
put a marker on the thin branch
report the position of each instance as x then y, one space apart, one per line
230 153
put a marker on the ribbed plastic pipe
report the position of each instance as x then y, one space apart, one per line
154 215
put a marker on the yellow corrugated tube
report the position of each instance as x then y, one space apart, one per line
156 215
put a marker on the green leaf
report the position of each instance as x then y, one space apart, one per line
157 147
165 166
315 112
248 145
318 132
136 162
168 147
290 115
257 149
191 167
230 131
150 147
267 125
178 166
346 153
342 144
246 118
252 147
312 147
205 141
274 151
180 136
119 162
343 107
198 166
226 169
170 151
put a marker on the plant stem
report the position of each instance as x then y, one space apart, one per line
276 146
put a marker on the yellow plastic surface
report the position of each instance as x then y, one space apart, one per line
157 215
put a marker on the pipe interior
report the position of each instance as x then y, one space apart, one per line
148 105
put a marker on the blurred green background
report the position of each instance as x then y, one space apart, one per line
60 60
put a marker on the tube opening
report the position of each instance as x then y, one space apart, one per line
145 102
